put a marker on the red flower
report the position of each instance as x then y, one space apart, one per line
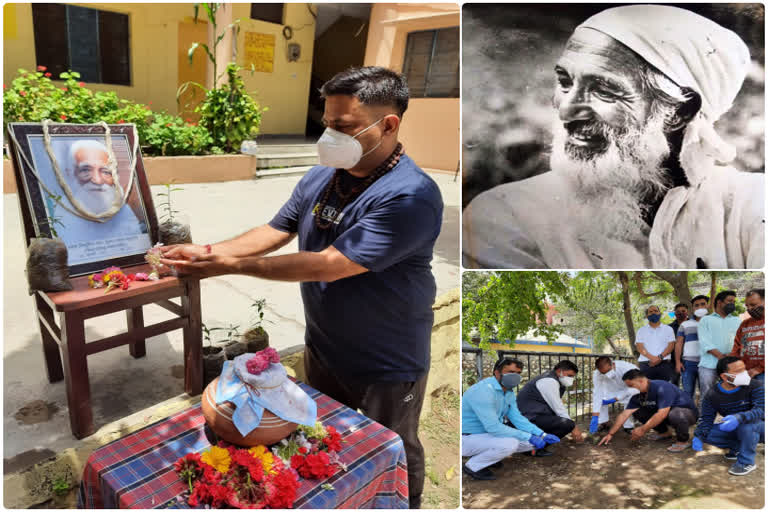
23 93
5 86
286 484
168 125
64 89
120 121
63 117
47 75
333 440
81 84
41 68
303 450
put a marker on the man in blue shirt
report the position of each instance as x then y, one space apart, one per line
740 400
659 405
716 333
367 219
485 437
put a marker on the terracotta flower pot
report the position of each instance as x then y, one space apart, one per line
47 268
219 418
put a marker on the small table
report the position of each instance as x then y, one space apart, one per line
136 471
82 302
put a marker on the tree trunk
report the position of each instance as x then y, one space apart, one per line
712 290
613 347
679 283
624 280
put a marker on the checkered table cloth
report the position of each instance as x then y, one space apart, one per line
136 471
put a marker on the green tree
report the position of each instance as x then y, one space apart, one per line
510 304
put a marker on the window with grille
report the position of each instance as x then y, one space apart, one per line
272 13
92 42
431 63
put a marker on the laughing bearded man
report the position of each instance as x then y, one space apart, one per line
638 174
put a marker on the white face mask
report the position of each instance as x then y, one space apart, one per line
610 374
566 381
342 151
740 379
700 312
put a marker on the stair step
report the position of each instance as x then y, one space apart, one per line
285 171
285 160
285 148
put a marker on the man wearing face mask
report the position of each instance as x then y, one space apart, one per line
681 315
541 401
609 389
716 333
367 219
687 353
749 343
484 408
741 402
655 342
658 406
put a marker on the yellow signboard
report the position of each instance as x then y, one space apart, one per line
260 51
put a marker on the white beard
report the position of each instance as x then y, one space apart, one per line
96 199
617 181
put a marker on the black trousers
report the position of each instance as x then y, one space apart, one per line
662 371
554 424
679 418
396 405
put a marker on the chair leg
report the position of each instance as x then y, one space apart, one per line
76 374
193 338
50 346
135 317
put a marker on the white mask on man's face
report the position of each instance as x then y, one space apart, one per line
565 381
700 312
740 379
342 151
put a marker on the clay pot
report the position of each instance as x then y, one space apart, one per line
47 268
219 418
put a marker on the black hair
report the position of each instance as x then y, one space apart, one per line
679 304
632 374
722 364
504 362
756 291
372 85
567 365
720 297
600 360
700 297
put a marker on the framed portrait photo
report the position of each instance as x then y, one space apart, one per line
69 189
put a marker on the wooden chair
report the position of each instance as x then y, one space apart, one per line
67 337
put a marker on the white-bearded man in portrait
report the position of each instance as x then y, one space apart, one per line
639 175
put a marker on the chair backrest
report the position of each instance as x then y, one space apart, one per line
31 202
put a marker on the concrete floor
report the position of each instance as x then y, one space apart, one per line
36 421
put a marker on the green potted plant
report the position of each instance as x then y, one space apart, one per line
256 337
47 266
173 228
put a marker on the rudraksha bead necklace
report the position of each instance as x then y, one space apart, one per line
347 197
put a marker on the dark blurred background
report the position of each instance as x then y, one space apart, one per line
509 55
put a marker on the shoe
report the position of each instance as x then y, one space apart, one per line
678 447
483 474
742 469
540 453
498 465
731 455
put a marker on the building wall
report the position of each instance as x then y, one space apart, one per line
430 129
159 37
541 348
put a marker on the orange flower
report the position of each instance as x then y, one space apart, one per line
63 117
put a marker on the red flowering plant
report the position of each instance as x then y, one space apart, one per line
235 477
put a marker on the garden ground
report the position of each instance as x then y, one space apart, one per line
36 420
625 474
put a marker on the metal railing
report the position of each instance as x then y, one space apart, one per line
577 398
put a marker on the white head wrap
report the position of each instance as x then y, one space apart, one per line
693 52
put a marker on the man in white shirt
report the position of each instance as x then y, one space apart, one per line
609 388
541 401
687 352
655 342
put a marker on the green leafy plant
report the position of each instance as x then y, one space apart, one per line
232 331
258 307
169 135
60 486
168 211
52 219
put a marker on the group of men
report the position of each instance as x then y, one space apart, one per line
724 354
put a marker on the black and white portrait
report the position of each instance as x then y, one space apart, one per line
613 136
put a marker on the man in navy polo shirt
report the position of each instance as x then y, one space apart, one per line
367 219
659 405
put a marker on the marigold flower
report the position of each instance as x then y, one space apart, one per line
218 458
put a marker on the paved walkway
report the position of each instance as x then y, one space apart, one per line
36 422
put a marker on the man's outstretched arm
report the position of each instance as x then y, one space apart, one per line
256 242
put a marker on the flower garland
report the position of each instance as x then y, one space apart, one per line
238 477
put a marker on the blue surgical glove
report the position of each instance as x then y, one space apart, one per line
537 442
609 401
697 445
550 438
729 423
593 423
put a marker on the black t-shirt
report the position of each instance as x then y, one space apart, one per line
661 394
